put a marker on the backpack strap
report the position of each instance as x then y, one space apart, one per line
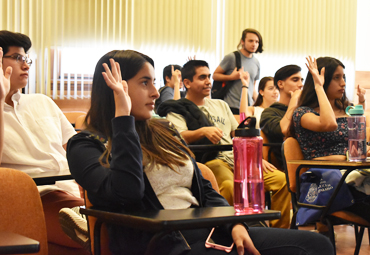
238 62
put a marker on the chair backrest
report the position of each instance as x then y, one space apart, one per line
73 115
208 174
291 151
21 209
267 154
79 123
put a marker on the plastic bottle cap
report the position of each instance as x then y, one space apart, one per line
249 129
355 110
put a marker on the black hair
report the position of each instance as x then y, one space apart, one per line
189 69
308 96
285 72
261 86
167 72
8 39
253 31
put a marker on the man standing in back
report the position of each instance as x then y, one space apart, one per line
250 43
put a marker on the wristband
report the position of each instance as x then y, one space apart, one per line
362 101
244 86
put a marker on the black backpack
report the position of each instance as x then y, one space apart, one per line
221 88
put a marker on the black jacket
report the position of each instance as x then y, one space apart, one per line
124 186
194 118
270 125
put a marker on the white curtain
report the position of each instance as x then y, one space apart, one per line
69 36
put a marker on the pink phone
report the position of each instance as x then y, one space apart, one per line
219 241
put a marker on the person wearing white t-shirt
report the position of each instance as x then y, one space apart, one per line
35 135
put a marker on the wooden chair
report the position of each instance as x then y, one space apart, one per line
79 123
292 151
21 209
73 115
267 153
103 244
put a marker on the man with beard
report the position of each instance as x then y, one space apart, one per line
250 43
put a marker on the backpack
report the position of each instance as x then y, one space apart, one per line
221 88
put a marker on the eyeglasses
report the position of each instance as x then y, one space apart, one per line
20 59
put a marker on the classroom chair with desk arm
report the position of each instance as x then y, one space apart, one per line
21 209
295 165
98 232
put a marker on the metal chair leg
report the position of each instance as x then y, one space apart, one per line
359 239
331 234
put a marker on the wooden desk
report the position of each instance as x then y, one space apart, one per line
48 178
11 243
163 221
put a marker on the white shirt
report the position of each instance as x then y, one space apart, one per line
35 131
172 187
257 113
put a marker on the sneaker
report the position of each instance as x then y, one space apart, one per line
74 225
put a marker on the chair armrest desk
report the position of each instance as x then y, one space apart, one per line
164 221
12 243
47 178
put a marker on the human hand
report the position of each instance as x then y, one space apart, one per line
120 88
214 134
244 76
242 241
235 75
267 166
318 78
4 78
176 76
191 58
294 96
361 93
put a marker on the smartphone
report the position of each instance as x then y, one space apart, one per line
219 240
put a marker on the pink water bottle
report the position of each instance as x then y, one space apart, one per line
249 195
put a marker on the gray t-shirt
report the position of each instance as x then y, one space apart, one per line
252 65
219 113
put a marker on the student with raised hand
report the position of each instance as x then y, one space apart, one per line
267 95
320 123
172 85
35 135
4 90
276 119
128 161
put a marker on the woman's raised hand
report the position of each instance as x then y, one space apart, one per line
318 78
244 76
4 78
120 88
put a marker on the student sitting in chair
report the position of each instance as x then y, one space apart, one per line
127 161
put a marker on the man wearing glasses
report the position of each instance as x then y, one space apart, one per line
35 134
